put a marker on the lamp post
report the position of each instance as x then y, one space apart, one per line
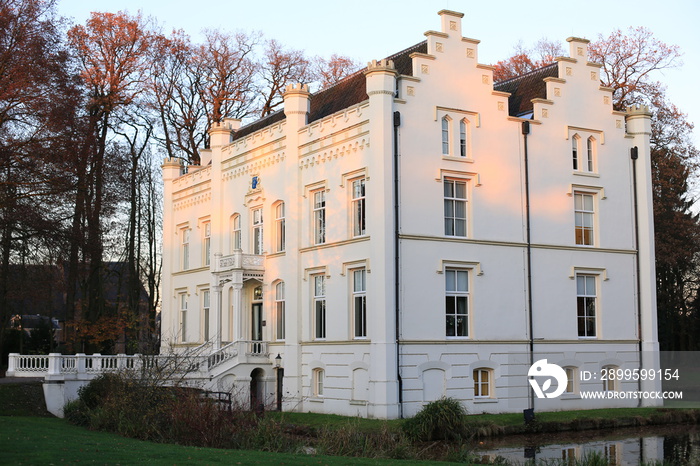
280 375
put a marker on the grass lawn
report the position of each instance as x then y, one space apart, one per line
36 440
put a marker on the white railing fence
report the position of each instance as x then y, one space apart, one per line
54 364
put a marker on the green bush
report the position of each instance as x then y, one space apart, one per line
77 413
442 419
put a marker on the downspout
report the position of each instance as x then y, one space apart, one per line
634 155
397 288
525 132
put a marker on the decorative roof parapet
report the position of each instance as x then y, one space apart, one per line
638 110
297 88
381 65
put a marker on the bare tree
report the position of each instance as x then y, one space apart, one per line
278 68
629 61
226 64
333 70
175 83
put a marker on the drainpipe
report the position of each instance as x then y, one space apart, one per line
525 132
397 287
634 155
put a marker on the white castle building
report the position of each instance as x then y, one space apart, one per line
418 231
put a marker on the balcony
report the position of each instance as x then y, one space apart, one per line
252 265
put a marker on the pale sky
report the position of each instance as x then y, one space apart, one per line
366 30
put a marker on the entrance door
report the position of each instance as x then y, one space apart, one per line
256 320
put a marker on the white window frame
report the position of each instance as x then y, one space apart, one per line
451 229
318 208
318 306
182 307
206 315
455 293
585 297
317 381
358 190
446 134
571 380
280 227
464 138
185 248
483 386
280 317
585 235
584 149
206 242
591 150
236 243
257 230
359 302
610 384
575 151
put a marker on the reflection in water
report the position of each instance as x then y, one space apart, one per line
676 445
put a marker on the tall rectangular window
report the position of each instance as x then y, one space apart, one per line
455 207
482 382
205 312
206 246
319 217
574 151
589 154
258 231
445 136
279 227
182 298
358 207
456 303
585 218
359 302
185 248
319 306
586 300
235 232
279 311
462 138
318 382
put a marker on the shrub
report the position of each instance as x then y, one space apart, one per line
77 413
442 419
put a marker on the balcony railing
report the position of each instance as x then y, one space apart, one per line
238 260
55 364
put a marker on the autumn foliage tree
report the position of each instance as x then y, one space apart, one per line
525 59
86 115
37 98
112 52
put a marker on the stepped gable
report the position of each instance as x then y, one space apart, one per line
526 87
346 93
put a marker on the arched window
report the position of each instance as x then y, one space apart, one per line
445 135
257 226
235 232
279 311
317 382
575 141
570 379
590 153
279 227
463 138
610 379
